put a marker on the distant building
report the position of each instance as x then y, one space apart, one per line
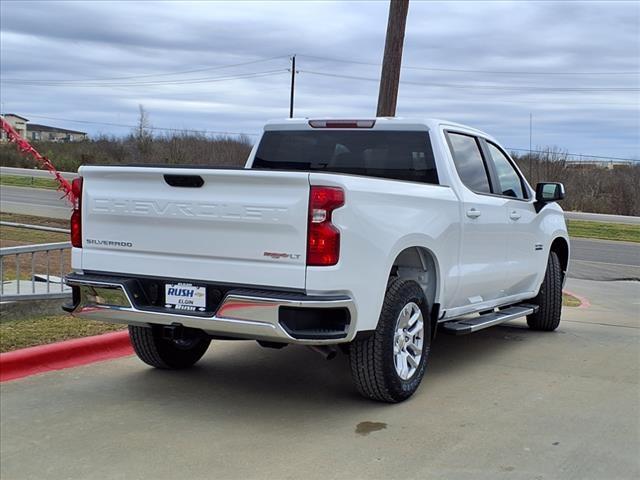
18 123
43 133
592 164
53 134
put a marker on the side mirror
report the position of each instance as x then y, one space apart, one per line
547 192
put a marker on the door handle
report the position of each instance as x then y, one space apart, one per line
473 213
514 215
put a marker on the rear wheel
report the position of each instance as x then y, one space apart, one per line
388 366
549 298
160 352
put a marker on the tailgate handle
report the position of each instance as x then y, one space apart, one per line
188 181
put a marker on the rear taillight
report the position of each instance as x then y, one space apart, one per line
323 238
76 216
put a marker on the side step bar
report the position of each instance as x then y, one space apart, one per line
466 325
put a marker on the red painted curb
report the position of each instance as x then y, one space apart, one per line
56 356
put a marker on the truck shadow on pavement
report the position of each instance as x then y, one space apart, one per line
245 379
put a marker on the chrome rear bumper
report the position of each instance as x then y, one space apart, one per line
241 313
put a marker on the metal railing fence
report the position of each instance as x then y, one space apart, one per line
46 265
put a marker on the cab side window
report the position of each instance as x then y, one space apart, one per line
508 179
467 158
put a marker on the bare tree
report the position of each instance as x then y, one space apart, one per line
142 133
590 187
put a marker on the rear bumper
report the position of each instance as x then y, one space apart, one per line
242 313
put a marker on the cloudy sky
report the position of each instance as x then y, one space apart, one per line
215 66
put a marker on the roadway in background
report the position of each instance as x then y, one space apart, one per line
32 172
596 217
593 259
39 202
590 259
601 217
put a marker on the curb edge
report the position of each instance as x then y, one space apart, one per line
61 355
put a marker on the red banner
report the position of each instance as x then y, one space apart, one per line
26 149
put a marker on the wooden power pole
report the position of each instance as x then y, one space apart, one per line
293 85
390 77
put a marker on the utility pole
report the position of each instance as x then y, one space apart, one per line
530 137
390 76
293 83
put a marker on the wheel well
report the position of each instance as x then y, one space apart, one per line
561 248
419 264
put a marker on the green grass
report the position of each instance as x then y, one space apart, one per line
16 334
24 236
604 231
35 182
570 301
31 220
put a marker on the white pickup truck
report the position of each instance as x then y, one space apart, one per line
361 234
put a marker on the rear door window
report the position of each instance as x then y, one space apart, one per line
394 155
469 163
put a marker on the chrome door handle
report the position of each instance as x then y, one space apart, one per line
473 213
514 215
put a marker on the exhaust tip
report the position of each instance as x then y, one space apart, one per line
328 352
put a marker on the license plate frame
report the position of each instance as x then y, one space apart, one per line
185 297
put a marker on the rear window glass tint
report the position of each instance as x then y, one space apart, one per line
386 154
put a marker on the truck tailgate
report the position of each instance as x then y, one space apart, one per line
242 227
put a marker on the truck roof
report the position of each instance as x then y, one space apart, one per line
381 123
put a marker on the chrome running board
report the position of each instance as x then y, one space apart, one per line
465 325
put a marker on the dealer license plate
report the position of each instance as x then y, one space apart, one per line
185 296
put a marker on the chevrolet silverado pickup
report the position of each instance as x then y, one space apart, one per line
364 236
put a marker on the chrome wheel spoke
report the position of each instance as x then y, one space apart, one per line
413 349
400 361
412 361
416 328
407 340
403 319
405 365
415 317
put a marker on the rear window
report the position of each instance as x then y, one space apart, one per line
386 154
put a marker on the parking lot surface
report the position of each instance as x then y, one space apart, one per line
502 403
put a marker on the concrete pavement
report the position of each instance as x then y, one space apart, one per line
502 403
612 303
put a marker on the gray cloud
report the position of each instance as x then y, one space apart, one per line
92 40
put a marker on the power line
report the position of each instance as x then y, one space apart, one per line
214 132
457 70
575 154
132 77
159 82
317 57
487 87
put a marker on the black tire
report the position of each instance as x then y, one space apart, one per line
549 298
164 353
372 358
